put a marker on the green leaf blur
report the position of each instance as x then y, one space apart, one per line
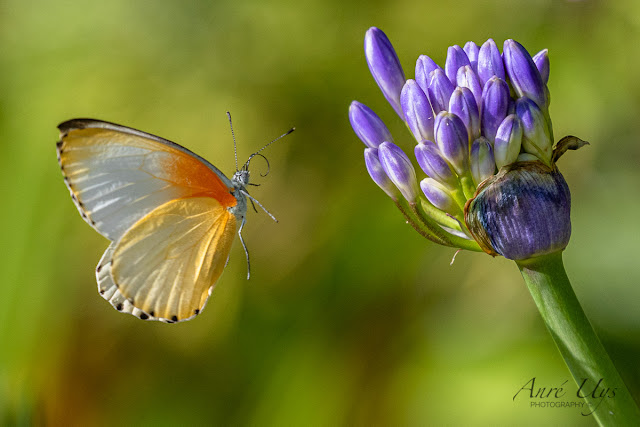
350 317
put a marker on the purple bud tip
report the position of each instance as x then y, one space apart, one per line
439 196
469 79
490 62
367 125
495 105
472 50
463 104
524 74
434 165
456 58
481 159
541 59
417 111
399 169
508 141
452 140
379 176
384 66
424 67
440 90
536 138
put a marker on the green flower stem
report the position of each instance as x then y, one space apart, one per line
468 186
438 216
419 209
578 343
411 220
459 197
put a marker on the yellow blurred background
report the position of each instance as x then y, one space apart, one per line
350 317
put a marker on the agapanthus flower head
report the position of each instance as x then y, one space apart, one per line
484 137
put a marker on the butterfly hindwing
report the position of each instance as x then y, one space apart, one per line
109 291
167 263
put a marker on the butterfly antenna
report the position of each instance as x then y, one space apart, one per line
258 152
246 165
235 146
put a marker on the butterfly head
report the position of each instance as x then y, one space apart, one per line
241 178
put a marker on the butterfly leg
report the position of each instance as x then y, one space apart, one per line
244 246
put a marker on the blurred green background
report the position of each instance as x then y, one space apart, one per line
350 317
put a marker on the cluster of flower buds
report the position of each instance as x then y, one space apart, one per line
484 140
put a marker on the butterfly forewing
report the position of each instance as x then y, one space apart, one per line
117 175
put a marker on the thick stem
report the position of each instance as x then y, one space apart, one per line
599 382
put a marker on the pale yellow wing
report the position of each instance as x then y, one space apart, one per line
109 291
166 264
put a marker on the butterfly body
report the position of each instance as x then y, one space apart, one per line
170 215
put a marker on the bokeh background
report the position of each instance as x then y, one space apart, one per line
350 317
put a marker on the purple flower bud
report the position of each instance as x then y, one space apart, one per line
440 90
424 67
495 105
452 140
417 111
367 125
399 169
434 165
472 50
523 73
469 79
384 66
481 160
456 58
535 136
463 105
522 212
508 141
541 59
490 62
374 167
439 196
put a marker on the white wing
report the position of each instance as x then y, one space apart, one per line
117 175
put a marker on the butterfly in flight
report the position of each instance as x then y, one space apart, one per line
170 215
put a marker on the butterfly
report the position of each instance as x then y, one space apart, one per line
170 215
